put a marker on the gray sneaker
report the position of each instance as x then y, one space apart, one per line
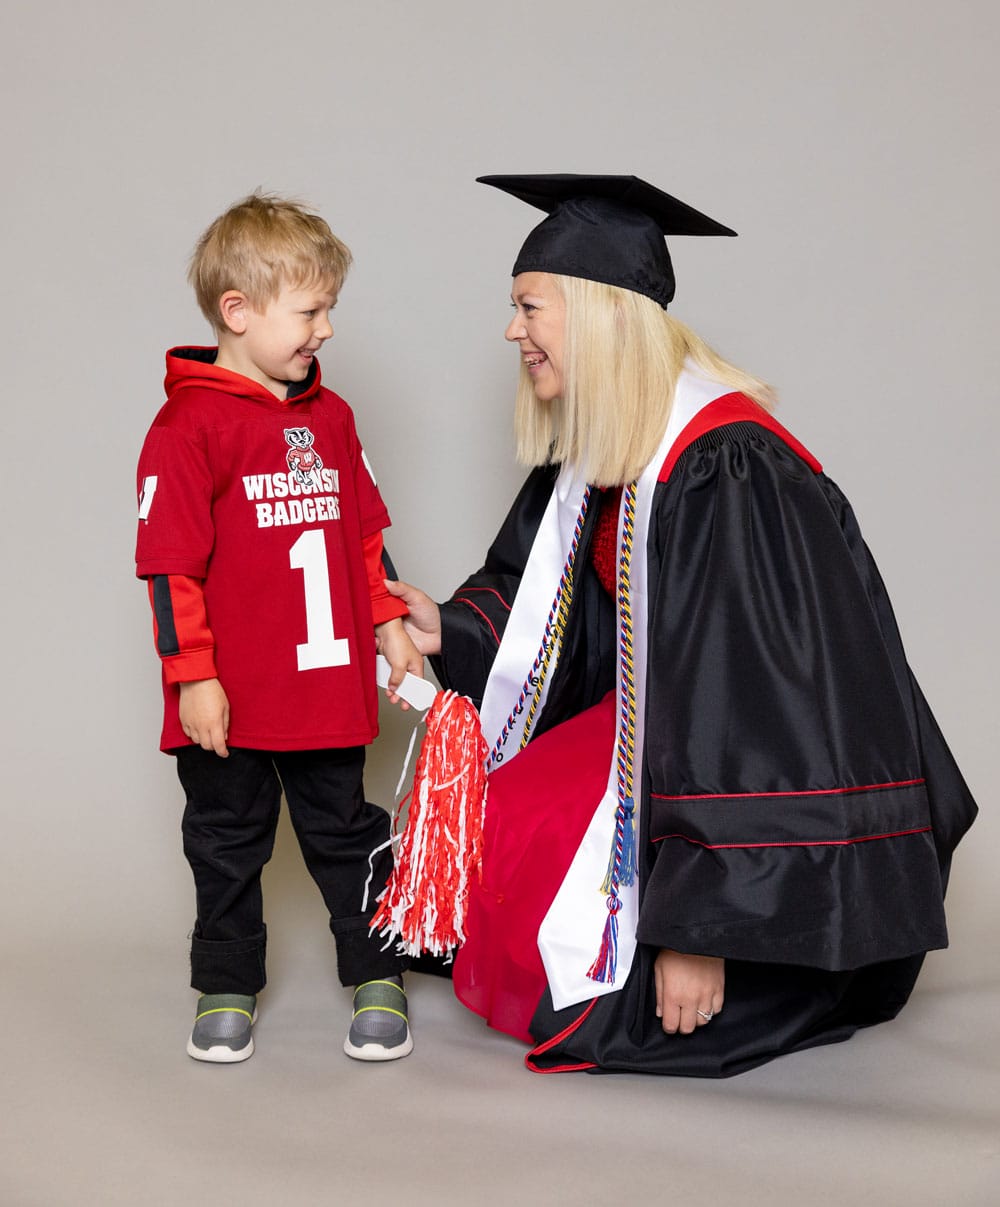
222 1028
379 1028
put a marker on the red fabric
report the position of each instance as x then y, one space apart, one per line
540 804
195 657
732 408
604 543
425 904
220 503
384 606
537 811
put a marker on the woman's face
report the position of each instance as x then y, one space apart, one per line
537 328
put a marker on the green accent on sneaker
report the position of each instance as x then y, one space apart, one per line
223 1010
379 1028
380 995
222 1032
381 1010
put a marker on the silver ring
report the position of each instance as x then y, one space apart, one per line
707 1017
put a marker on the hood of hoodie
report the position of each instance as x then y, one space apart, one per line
195 366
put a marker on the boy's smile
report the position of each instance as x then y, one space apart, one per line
276 345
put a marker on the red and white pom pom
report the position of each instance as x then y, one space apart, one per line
440 852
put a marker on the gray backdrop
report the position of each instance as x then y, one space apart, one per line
852 145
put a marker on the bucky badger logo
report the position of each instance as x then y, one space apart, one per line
303 460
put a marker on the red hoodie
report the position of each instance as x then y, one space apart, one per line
268 507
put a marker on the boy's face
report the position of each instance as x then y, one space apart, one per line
277 345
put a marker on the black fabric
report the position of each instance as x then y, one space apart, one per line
163 609
602 241
819 803
207 356
604 228
475 618
228 828
388 565
771 1010
786 677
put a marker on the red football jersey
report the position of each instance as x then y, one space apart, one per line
268 502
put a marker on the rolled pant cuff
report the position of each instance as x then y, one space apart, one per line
359 954
230 966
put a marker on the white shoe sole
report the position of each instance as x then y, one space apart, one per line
375 1051
222 1054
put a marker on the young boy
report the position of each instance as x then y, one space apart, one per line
260 536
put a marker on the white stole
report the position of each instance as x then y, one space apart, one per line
570 934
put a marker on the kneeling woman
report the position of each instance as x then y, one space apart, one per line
720 813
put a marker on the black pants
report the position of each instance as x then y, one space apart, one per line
229 826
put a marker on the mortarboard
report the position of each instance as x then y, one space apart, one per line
604 228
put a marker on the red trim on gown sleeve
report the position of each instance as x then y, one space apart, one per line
485 590
479 612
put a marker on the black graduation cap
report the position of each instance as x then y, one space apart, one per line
604 228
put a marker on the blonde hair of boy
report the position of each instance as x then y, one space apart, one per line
258 246
622 355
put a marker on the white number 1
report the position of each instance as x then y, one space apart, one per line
320 648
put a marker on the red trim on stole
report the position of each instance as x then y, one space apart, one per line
732 408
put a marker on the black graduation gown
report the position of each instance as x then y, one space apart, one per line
799 805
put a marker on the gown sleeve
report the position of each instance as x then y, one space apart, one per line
802 804
474 619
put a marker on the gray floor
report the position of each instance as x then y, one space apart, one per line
853 145
103 1107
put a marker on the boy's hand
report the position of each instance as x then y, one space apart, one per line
424 621
204 715
689 990
393 642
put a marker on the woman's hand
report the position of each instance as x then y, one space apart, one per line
424 621
688 988
204 715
